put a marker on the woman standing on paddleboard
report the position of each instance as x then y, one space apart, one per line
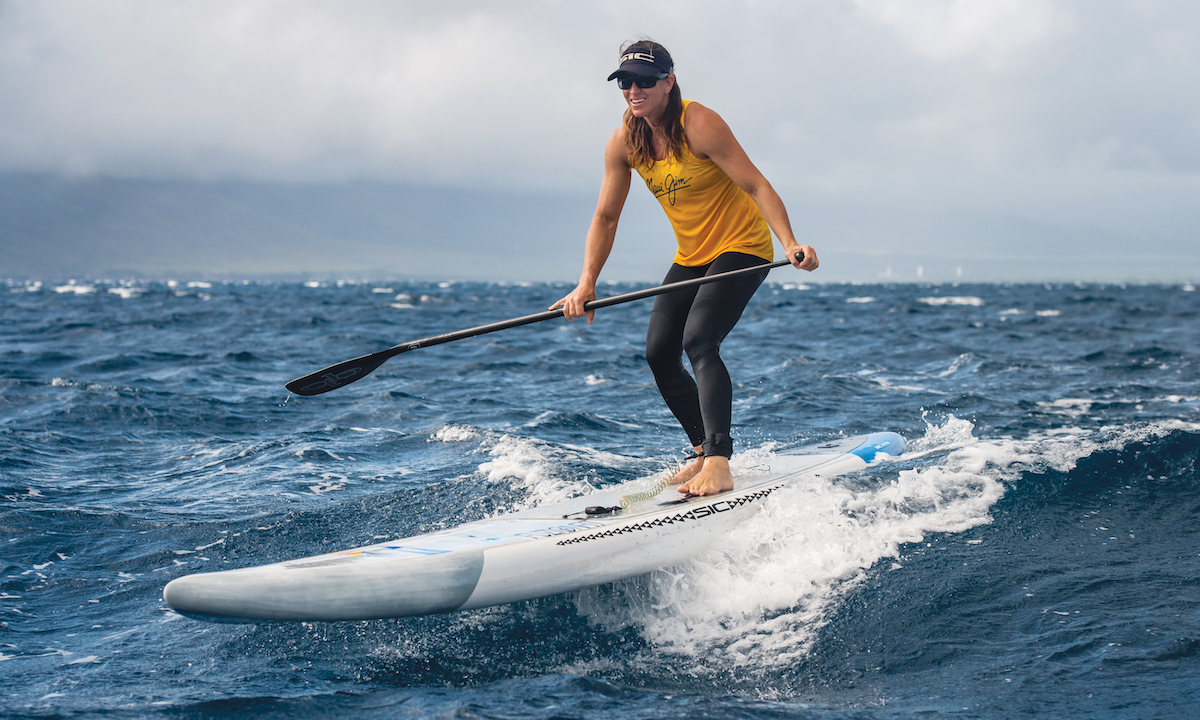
723 211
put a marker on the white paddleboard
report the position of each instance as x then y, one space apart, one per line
533 553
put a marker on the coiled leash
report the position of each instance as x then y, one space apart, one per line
627 500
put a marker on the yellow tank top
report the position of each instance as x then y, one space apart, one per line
710 213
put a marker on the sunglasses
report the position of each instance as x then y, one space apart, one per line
642 81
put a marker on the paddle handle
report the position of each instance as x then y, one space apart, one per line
344 373
682 284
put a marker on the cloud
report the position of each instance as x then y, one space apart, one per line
472 92
950 30
285 90
1071 113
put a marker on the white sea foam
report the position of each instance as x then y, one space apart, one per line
860 300
1179 398
372 430
759 598
76 289
1065 430
330 482
1049 313
534 466
1179 425
958 364
537 468
1069 407
454 433
953 300
886 384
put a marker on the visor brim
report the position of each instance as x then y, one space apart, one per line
636 69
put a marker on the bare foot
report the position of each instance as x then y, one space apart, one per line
689 471
713 477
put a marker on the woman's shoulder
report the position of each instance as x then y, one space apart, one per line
617 148
703 127
695 114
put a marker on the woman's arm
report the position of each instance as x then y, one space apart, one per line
709 137
603 231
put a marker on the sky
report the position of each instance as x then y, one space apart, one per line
1038 138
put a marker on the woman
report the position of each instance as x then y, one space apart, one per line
723 211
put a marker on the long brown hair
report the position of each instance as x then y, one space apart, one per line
639 135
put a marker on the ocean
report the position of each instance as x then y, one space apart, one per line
1036 552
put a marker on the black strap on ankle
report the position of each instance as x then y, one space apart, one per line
718 444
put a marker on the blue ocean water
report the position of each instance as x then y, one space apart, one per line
1036 552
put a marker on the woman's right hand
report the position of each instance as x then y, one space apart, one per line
572 304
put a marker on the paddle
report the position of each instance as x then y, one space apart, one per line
344 373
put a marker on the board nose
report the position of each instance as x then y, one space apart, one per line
337 589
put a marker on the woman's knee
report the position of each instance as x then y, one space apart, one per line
661 355
699 343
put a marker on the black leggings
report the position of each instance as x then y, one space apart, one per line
696 320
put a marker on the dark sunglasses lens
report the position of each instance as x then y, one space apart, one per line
643 82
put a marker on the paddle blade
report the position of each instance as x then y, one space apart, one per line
336 376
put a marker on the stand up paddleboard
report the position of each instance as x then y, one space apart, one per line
590 540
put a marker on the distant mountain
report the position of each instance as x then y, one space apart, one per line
52 226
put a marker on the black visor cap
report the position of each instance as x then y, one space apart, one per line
644 63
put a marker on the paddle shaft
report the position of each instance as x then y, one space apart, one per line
344 373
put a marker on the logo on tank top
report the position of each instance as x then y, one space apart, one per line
669 187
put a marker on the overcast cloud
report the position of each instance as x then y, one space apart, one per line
1077 114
